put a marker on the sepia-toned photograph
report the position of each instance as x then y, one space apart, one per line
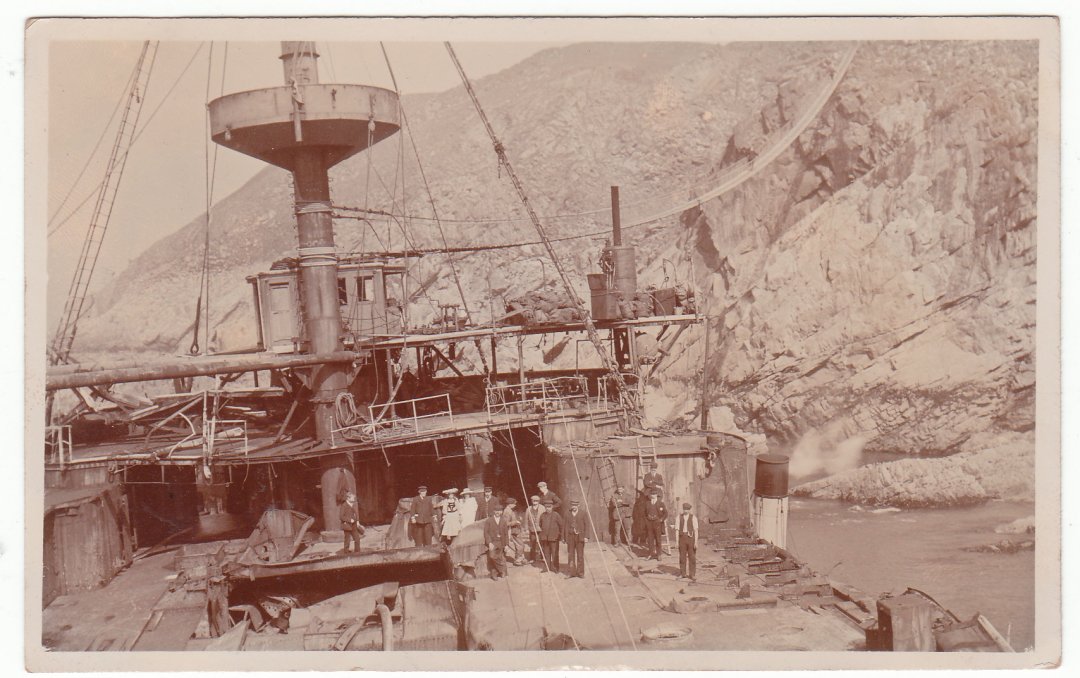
546 336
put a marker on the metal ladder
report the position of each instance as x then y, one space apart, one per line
608 484
106 198
648 455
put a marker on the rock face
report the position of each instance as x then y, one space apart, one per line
1004 470
875 283
879 281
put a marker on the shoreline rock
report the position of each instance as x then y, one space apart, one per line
1005 470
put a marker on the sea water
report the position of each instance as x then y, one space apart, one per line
884 550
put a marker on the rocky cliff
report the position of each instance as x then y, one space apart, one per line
874 285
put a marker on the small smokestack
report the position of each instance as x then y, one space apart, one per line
771 498
616 225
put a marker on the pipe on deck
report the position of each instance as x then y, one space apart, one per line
387 623
96 376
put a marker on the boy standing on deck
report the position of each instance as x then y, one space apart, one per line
350 521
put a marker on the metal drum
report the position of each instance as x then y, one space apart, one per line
771 476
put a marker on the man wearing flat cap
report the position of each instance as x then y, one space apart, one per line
532 527
551 531
422 516
546 494
618 516
515 544
653 480
574 533
687 527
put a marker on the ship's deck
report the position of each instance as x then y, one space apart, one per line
261 446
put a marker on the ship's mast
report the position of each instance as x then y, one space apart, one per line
307 127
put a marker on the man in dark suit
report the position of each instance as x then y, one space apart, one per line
655 515
551 531
574 533
484 504
423 515
496 536
546 494
653 480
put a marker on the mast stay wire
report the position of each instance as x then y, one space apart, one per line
596 536
202 314
434 209
627 398
543 552
135 138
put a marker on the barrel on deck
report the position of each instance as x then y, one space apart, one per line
605 305
771 476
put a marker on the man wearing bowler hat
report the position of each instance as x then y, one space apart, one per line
687 527
423 515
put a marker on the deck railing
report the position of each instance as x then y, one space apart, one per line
58 445
545 395
385 421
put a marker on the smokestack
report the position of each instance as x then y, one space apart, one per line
616 225
771 498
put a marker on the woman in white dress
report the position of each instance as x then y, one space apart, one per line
467 506
451 515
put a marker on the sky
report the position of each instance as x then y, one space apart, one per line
164 184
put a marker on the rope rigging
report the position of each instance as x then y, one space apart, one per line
434 210
211 175
627 398
103 207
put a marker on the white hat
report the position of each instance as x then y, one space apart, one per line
541 484
450 490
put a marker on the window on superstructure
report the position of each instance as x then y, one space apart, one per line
363 288
342 292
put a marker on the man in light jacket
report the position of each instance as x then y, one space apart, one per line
686 526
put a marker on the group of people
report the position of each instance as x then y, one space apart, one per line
545 524
643 522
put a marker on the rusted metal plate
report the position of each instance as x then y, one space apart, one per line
332 563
